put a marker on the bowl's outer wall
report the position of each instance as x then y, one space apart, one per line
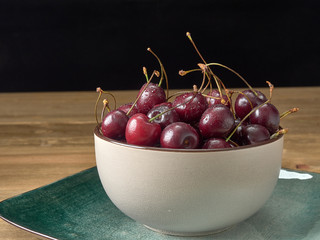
188 192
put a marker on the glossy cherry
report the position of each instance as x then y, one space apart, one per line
152 95
268 116
166 118
237 136
216 121
114 124
126 107
216 143
141 132
242 104
191 106
254 133
217 99
179 135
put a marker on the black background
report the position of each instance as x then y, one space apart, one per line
51 45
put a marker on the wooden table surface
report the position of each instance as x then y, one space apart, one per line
47 136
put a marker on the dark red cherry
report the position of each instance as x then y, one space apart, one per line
268 116
126 107
254 133
114 124
141 132
242 104
179 135
217 99
216 121
237 136
152 95
191 106
165 119
215 143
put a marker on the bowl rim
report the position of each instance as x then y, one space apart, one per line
198 150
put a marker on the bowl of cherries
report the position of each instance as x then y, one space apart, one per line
192 163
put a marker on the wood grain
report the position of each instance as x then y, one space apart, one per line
47 136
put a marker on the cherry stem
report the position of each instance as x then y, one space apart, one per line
208 96
183 73
225 90
203 81
144 88
195 47
234 143
217 80
100 91
163 71
280 132
229 96
242 120
144 69
286 113
205 68
230 69
271 87
204 61
208 84
105 106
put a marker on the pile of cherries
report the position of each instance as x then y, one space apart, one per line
205 118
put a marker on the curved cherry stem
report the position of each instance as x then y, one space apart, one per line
195 47
105 106
163 71
204 61
234 143
230 69
208 84
271 87
286 113
145 73
280 132
229 96
203 81
224 88
242 120
183 73
100 91
208 96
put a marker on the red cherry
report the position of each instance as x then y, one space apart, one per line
215 143
166 118
114 124
152 95
216 121
191 106
242 105
254 133
268 116
179 135
217 100
141 132
237 136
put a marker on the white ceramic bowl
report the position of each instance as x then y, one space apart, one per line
188 192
